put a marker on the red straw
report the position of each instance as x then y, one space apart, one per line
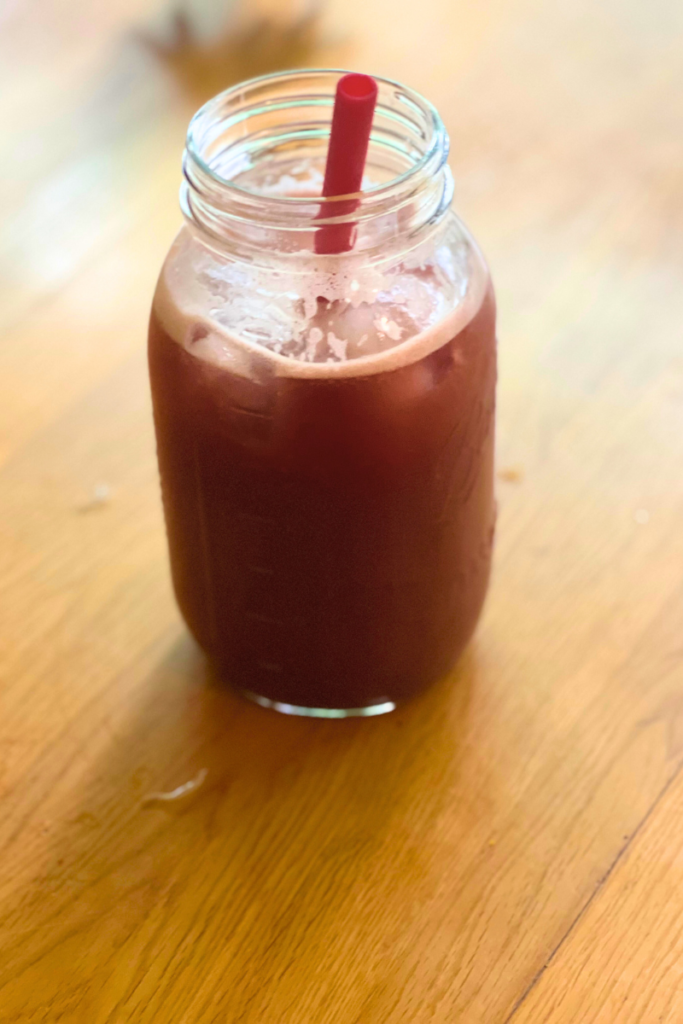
354 105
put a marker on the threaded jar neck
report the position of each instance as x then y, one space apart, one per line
255 158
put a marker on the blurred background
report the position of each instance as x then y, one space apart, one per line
504 800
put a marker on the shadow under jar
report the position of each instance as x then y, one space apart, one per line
324 423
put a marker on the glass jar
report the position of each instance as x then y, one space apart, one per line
324 422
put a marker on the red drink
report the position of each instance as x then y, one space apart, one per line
329 509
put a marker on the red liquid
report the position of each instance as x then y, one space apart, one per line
330 539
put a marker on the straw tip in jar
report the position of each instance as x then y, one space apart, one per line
356 86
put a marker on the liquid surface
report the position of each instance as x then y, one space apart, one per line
308 321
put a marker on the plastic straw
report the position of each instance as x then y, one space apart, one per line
354 106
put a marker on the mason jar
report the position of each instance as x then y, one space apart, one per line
324 421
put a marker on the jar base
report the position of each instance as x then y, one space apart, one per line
368 711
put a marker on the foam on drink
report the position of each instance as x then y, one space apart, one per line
227 319
322 318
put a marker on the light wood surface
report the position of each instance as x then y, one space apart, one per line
508 847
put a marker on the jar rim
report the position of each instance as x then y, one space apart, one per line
435 152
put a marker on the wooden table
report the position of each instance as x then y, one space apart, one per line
509 848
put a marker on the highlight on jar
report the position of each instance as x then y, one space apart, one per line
322 356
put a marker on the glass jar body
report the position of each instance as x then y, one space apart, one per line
330 536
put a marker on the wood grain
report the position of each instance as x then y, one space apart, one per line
506 847
621 960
